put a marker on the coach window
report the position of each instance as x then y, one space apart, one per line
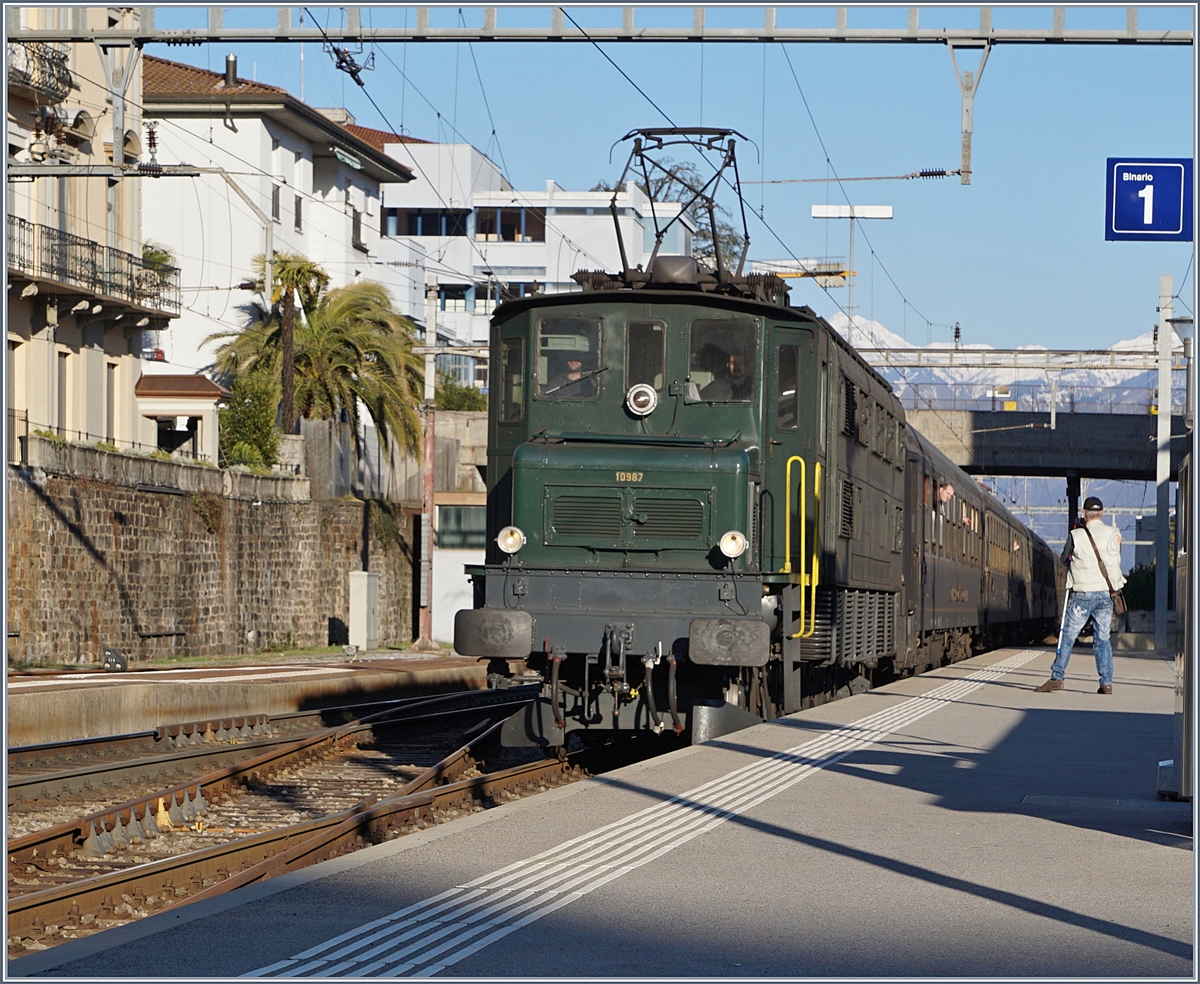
645 353
512 380
721 361
927 501
568 359
787 415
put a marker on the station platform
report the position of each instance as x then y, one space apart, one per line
952 824
46 707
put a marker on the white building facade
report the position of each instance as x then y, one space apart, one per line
278 175
462 225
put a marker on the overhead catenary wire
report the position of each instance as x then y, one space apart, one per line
518 195
255 170
829 164
483 257
762 219
208 145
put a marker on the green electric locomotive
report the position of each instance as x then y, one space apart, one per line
696 507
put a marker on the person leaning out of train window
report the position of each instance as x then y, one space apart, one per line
570 382
1088 593
732 382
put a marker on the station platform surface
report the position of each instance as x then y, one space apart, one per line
47 707
952 824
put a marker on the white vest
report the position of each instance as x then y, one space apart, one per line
1084 573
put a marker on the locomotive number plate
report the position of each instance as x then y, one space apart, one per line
629 476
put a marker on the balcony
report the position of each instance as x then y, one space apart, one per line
39 68
49 255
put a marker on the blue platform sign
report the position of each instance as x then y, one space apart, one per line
1149 198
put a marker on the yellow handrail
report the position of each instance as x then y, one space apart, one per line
815 574
787 526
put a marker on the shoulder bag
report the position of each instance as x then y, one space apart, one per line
1118 599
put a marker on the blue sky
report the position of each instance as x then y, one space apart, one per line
1017 257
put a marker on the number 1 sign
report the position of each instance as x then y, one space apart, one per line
1149 198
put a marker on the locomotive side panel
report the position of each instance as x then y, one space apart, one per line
859 619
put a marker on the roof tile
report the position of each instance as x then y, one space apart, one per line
377 138
161 77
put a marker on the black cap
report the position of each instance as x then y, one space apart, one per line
1092 504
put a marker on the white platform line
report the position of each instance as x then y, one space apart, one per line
518 894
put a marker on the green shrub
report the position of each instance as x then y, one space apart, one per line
452 395
48 435
1139 588
247 426
244 453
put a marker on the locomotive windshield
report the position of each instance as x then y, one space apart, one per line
721 360
568 358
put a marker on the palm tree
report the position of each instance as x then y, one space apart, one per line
293 275
351 349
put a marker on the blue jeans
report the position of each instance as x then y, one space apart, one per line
1081 604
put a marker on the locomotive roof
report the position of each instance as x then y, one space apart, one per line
727 302
698 298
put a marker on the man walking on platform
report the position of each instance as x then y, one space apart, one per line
1093 557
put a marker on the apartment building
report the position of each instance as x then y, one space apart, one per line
277 176
82 287
463 228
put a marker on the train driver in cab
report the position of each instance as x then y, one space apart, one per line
572 380
732 381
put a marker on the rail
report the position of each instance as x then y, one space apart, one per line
265 854
50 254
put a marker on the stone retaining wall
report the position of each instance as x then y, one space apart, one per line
113 550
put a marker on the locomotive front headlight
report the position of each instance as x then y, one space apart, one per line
641 399
733 544
510 539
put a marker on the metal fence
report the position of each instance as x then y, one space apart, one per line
48 253
20 427
18 432
1035 398
40 67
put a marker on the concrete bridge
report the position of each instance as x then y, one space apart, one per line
1081 445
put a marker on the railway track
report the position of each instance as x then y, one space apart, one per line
294 804
66 778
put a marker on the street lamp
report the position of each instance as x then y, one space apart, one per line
851 212
1183 328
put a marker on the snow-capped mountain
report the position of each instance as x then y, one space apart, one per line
1093 389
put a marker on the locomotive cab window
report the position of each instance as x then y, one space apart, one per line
568 358
512 379
787 388
645 353
722 360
